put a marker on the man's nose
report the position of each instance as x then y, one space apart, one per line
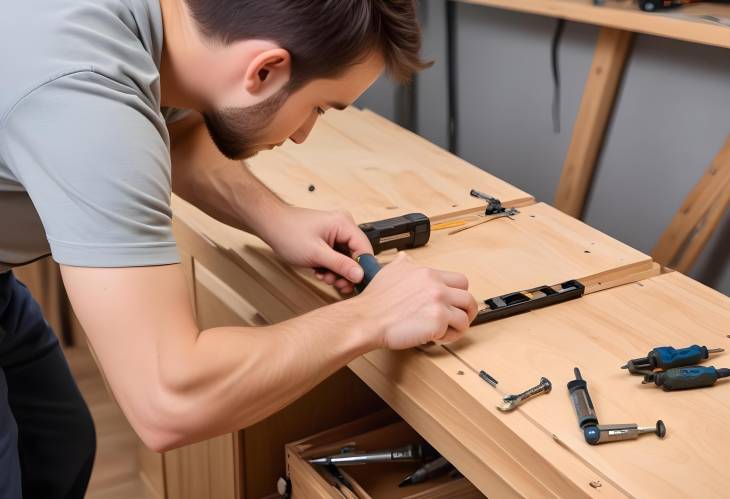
303 131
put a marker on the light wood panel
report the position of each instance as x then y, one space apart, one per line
538 246
681 24
360 162
599 95
598 334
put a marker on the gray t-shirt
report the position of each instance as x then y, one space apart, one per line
84 150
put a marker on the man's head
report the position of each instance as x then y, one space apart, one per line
265 69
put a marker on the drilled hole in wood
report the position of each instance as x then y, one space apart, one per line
460 373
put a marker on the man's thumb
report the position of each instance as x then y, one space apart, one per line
342 265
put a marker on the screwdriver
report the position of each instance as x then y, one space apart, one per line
370 267
595 433
683 378
582 403
668 357
603 433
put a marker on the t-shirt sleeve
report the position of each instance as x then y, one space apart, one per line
93 156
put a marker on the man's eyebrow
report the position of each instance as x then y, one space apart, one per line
338 105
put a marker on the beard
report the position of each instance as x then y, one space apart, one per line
238 132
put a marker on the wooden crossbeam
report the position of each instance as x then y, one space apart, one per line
599 94
698 217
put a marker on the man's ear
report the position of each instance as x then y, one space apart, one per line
268 72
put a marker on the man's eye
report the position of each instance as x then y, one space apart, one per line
320 111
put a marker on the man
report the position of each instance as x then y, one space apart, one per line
85 175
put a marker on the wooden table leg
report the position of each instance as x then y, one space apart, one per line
690 229
599 94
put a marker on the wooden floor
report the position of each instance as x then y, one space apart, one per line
116 471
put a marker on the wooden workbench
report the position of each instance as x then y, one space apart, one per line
359 161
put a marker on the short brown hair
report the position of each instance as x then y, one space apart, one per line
324 37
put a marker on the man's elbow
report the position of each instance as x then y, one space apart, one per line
158 441
161 433
166 422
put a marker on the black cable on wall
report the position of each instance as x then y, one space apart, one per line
555 62
451 75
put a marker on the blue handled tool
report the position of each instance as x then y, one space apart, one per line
684 378
668 357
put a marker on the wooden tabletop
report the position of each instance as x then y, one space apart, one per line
360 162
538 450
686 23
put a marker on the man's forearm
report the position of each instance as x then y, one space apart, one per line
234 377
223 188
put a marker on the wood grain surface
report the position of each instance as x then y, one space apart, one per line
362 163
597 334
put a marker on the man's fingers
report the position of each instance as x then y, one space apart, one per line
454 279
451 336
341 283
463 300
339 264
458 320
350 234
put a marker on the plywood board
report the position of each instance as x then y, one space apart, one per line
362 163
598 334
539 246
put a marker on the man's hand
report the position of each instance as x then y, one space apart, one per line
414 305
307 238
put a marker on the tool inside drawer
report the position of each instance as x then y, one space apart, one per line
394 452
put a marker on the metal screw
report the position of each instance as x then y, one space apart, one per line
510 402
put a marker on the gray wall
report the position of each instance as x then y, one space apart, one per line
672 117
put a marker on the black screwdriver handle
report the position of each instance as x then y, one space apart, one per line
684 378
370 268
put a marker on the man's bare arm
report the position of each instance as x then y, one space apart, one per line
178 385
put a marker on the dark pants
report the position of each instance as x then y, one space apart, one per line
47 439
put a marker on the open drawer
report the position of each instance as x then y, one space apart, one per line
383 430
